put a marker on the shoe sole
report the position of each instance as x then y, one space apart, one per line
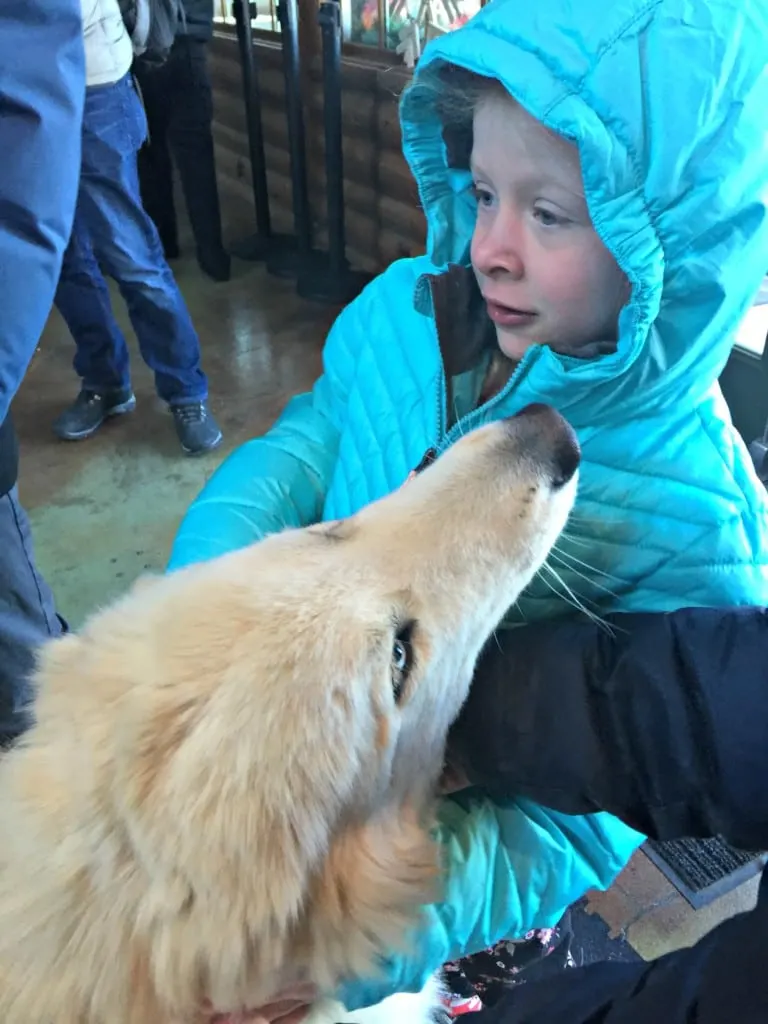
193 452
82 435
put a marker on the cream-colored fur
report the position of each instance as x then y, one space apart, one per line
228 787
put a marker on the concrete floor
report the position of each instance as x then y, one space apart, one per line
105 510
646 910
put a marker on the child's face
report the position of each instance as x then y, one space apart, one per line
545 275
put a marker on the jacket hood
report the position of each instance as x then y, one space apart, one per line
666 101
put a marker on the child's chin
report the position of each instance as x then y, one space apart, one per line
512 343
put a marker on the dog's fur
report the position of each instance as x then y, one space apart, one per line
228 785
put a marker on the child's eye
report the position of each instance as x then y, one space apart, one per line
482 195
547 218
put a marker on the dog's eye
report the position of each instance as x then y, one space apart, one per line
400 656
402 661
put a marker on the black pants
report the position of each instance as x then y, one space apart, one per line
179 105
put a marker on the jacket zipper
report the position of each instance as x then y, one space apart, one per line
466 423
433 451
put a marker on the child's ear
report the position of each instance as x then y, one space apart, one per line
375 879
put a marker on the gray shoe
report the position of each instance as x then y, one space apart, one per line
197 430
89 410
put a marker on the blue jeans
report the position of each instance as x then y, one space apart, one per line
113 233
27 617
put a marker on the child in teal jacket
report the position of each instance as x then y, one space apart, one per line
594 178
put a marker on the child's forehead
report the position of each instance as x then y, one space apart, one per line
503 129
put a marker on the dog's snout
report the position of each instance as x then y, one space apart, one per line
543 433
538 410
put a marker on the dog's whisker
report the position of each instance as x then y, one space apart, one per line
558 556
586 565
578 600
540 575
459 421
578 517
572 538
572 598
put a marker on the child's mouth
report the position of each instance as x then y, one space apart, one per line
508 316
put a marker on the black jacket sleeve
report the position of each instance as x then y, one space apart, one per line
660 719
721 978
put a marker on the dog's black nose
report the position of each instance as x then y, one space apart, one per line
551 439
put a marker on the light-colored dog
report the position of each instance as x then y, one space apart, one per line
228 787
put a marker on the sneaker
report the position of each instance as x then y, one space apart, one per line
197 429
89 410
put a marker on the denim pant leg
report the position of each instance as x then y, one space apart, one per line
82 297
126 243
27 617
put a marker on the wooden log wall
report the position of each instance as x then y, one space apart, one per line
382 213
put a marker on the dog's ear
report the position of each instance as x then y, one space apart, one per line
230 820
375 878
225 866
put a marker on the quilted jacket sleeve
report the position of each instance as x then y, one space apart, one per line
279 480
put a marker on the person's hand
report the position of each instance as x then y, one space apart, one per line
288 1007
284 1012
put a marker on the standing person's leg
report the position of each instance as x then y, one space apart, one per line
190 116
127 246
101 356
155 167
27 617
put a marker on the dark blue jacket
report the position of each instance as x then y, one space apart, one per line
663 721
42 88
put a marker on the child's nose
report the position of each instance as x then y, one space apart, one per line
497 248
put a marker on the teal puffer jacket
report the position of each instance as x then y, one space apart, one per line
666 100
